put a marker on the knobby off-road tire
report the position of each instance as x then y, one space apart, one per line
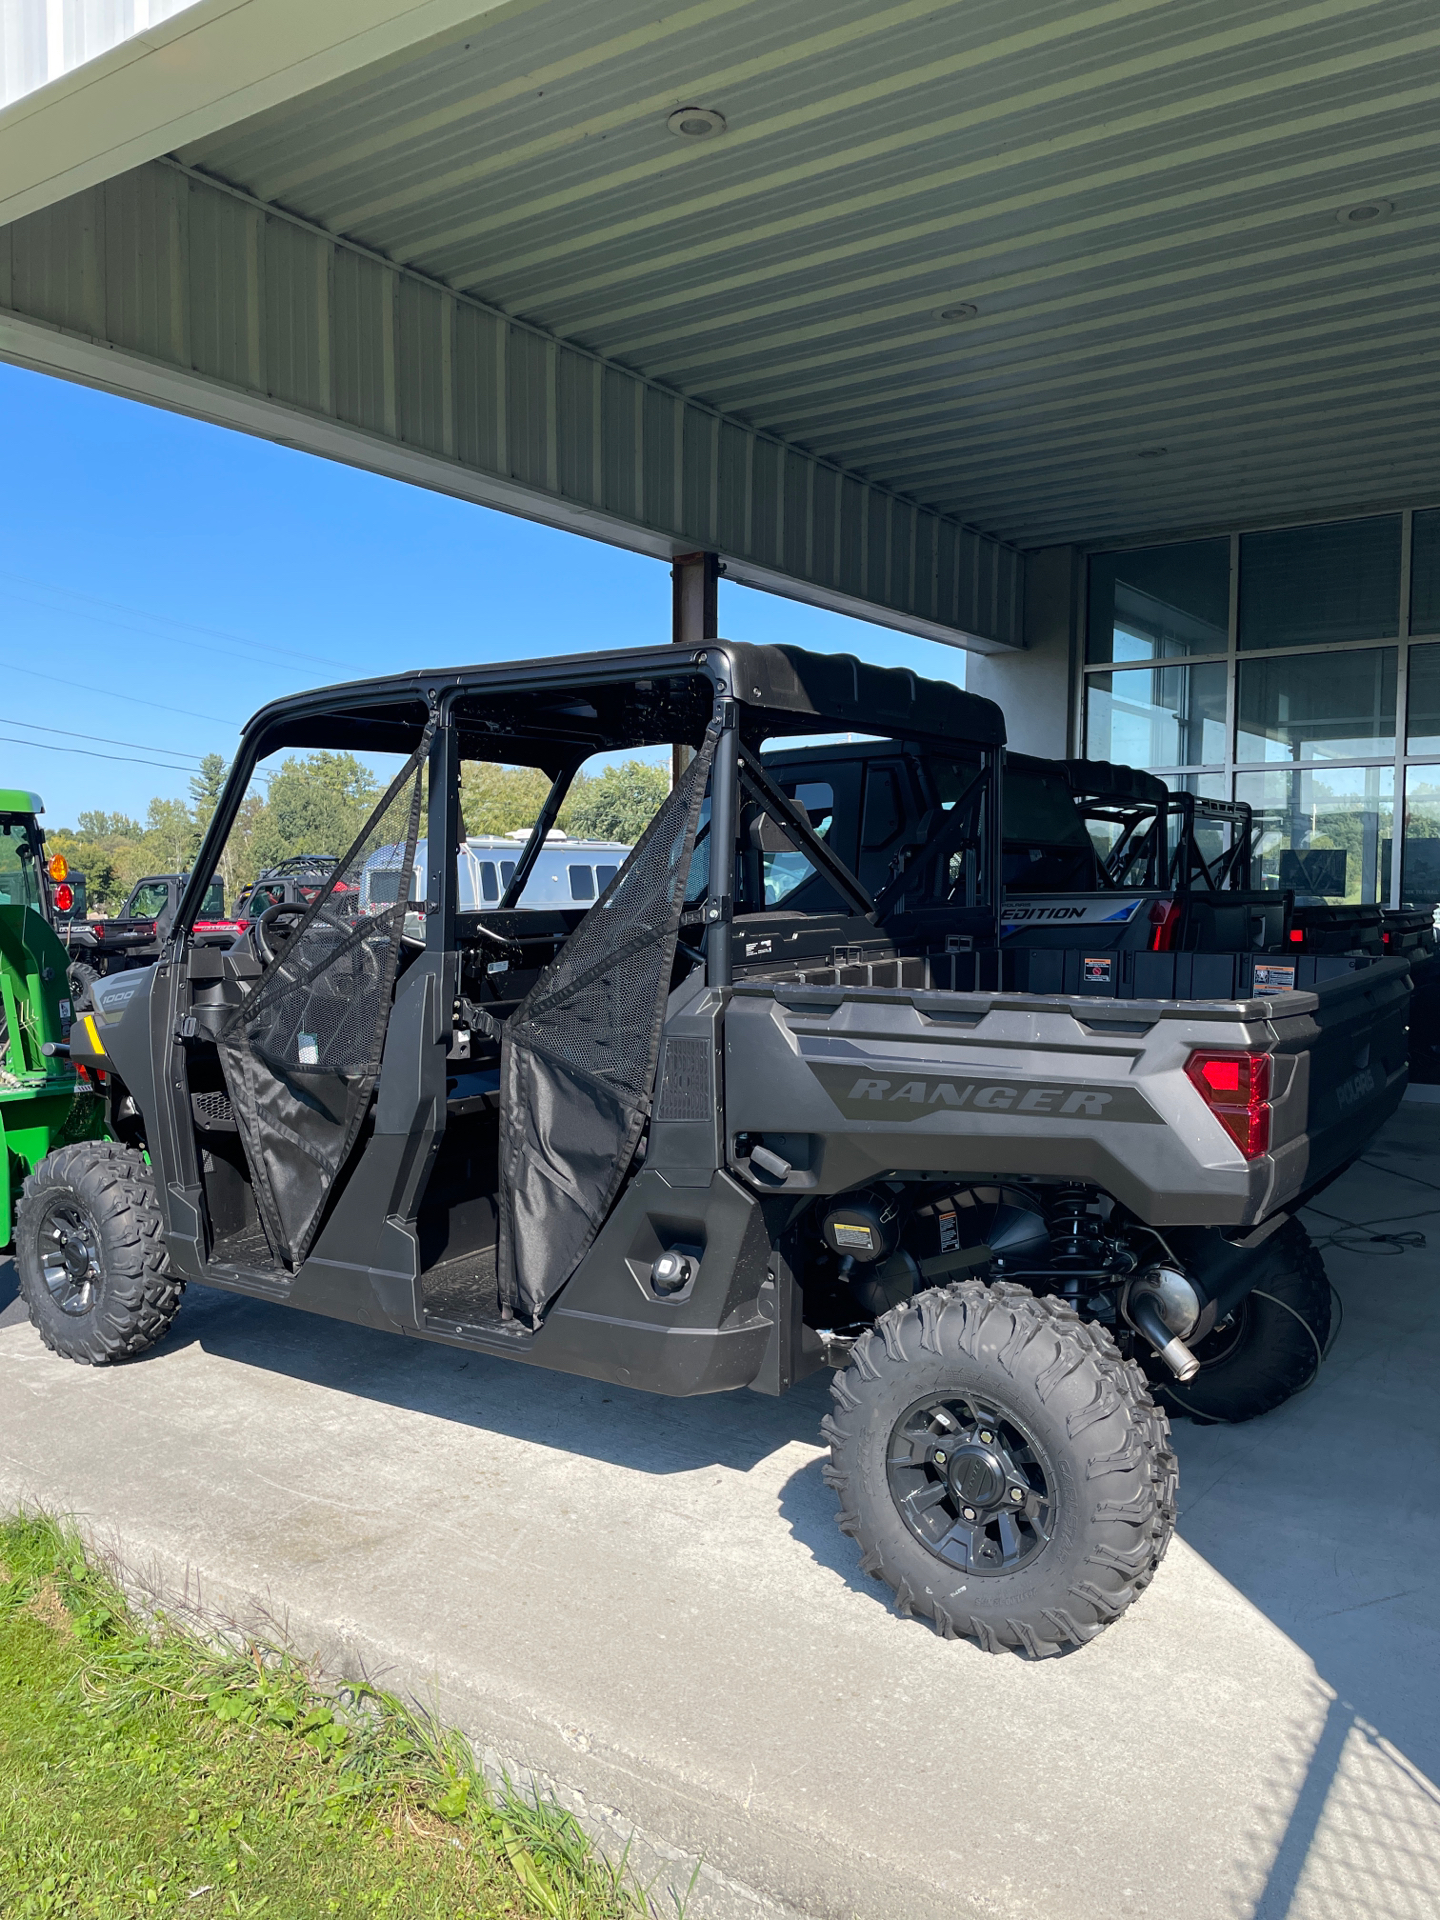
1040 1401
82 976
1271 1345
93 1270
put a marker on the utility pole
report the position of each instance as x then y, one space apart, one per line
694 619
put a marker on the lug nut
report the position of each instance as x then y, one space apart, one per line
1016 1493
987 1438
969 1513
941 1458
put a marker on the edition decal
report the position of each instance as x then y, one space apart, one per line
1070 913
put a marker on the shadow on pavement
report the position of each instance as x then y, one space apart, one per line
1321 1515
619 1425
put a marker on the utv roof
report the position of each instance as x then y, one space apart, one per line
560 710
1106 780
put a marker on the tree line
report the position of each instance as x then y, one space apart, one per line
317 803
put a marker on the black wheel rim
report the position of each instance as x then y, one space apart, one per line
70 1257
971 1483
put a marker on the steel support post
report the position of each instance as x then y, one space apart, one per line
694 618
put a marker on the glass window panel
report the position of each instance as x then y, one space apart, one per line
1157 717
147 902
1425 573
21 859
1423 727
1317 706
1420 866
1337 582
1325 832
1159 602
1207 786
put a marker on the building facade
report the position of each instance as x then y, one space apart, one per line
1296 668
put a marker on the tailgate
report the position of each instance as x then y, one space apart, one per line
1357 1040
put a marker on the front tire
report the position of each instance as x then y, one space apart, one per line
1001 1467
93 1269
82 976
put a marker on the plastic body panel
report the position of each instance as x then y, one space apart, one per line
712 1338
979 1086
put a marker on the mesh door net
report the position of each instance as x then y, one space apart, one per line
301 1055
578 1057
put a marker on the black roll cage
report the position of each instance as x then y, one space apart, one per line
758 692
1161 838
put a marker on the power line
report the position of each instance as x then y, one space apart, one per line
186 627
108 693
44 746
144 745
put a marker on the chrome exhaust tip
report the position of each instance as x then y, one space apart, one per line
1144 1315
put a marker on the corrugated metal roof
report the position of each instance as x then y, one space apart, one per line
1142 200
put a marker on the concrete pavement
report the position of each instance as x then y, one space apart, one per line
648 1602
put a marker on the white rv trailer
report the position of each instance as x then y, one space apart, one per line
569 873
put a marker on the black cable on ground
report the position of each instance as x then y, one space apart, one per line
1392 1243
1400 1173
1339 1306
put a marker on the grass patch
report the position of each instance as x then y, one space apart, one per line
145 1771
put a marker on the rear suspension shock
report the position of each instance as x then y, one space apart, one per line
1075 1236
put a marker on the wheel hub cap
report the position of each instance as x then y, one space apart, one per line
977 1477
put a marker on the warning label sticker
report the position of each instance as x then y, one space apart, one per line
1272 979
1098 971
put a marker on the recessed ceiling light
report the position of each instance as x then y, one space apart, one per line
1151 453
696 123
1365 212
962 310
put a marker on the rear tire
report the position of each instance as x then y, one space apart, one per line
1037 1514
1269 1349
93 1269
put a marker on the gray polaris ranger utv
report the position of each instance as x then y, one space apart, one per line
739 1120
1117 888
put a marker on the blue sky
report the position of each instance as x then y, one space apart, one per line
161 579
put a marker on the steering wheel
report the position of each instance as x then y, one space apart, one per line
295 909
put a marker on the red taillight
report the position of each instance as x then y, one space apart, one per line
64 899
1236 1088
1297 936
97 927
1165 919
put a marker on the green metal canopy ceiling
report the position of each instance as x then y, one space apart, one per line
1069 273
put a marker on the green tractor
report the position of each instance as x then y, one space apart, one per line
45 1102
